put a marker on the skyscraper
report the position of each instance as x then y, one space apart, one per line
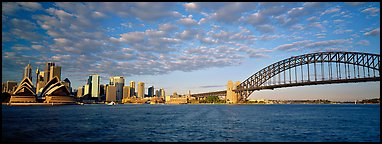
28 72
94 86
141 89
47 71
132 88
150 91
39 81
157 94
126 92
55 71
118 82
162 93
80 91
110 93
86 89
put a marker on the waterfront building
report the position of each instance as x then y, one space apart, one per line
11 86
47 71
126 92
39 81
28 72
56 92
94 86
150 91
132 88
118 82
25 92
3 87
157 94
80 91
175 95
86 89
102 89
110 93
67 83
141 89
55 71
162 93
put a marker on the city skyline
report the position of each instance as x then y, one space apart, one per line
186 46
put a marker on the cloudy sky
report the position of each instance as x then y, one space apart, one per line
186 46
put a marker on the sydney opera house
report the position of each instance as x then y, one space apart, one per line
53 91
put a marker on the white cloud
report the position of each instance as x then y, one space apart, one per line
190 6
372 11
375 32
341 31
188 21
329 11
363 42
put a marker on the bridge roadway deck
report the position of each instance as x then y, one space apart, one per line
352 80
312 83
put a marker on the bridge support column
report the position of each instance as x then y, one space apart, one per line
232 96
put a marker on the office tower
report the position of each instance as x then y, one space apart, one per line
55 71
40 84
118 82
67 83
10 86
132 84
47 71
162 93
132 88
94 86
150 91
141 89
80 91
102 93
110 93
86 90
28 72
126 92
157 94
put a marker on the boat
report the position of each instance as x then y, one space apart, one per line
111 103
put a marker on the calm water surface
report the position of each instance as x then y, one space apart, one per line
129 122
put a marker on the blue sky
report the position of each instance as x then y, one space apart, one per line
186 46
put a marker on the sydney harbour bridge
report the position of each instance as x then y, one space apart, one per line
304 70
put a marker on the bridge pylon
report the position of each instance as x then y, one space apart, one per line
232 97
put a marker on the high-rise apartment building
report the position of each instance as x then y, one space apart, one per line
28 72
110 93
141 90
150 92
118 82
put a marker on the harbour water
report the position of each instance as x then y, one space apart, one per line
193 123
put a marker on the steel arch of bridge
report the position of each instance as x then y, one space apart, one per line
355 64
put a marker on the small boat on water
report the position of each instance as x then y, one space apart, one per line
111 103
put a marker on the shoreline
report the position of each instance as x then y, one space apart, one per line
58 104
